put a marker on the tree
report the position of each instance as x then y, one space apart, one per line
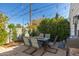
57 15
3 19
63 28
56 27
11 26
14 37
3 33
44 27
12 32
3 36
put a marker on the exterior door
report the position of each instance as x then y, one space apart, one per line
78 33
75 29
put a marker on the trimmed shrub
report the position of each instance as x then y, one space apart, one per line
44 26
34 33
56 27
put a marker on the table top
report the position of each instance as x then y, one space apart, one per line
43 39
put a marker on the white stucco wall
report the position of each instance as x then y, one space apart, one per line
7 29
74 10
19 32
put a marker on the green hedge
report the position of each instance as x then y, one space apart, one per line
56 27
14 37
3 36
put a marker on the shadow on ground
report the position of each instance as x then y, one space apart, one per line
21 50
14 51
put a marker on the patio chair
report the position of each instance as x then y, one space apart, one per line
26 41
41 35
35 42
53 45
54 42
47 36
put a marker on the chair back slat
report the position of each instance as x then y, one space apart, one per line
34 42
26 41
47 36
41 35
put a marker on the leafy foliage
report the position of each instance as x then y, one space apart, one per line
3 19
34 33
14 35
56 27
44 27
3 36
13 30
3 33
11 26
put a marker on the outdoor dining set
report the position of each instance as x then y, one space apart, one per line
41 41
37 41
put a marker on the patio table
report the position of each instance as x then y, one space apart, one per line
44 40
45 43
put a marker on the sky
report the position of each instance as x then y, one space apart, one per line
18 13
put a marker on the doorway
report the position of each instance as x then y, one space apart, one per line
75 29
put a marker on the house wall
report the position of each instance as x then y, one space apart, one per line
19 33
74 10
7 29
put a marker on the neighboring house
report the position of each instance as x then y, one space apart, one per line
74 20
7 29
6 26
35 23
19 33
26 31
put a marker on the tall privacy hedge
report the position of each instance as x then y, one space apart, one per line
56 27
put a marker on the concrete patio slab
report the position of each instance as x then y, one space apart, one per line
74 52
60 52
52 50
39 52
30 50
22 50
